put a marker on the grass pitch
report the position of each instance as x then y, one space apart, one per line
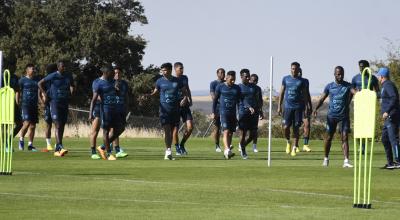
201 185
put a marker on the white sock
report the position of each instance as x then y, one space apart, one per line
29 143
254 146
48 141
21 138
346 160
326 158
169 149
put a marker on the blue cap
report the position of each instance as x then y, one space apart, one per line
383 71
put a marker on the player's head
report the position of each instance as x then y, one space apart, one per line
230 77
178 66
254 78
294 69
51 68
29 69
166 69
117 73
362 64
339 74
107 72
60 66
245 75
221 74
383 74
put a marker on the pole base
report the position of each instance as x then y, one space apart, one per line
362 206
5 173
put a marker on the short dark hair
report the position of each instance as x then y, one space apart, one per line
51 68
105 69
340 68
178 64
254 75
166 66
243 71
295 64
221 69
365 62
60 62
117 68
231 73
29 65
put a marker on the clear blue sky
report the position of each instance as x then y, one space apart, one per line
235 34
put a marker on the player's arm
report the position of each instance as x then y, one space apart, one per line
154 92
72 86
392 96
260 103
215 102
92 103
189 94
41 88
320 102
307 100
18 93
212 92
281 95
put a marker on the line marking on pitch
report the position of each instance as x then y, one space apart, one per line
194 184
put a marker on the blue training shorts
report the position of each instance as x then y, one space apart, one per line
331 124
30 113
293 117
228 122
59 112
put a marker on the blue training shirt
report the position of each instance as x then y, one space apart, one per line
213 86
356 82
249 97
184 83
339 99
106 90
29 89
59 86
169 93
294 98
121 94
228 98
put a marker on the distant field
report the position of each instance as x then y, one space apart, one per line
201 185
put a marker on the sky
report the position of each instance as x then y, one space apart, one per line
236 34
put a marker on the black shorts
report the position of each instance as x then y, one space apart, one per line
248 121
186 114
30 113
59 112
293 117
228 122
112 118
331 124
169 116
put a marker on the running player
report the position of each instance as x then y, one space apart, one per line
228 95
50 68
95 119
294 91
340 94
27 98
254 80
122 107
307 116
216 120
61 87
185 112
169 86
111 117
248 111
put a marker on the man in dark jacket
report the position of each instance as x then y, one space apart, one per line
390 114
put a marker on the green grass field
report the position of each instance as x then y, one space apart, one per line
201 185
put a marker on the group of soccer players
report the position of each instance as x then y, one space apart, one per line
295 94
108 108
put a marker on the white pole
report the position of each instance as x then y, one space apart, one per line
271 74
1 67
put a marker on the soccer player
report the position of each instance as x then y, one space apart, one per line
228 95
391 115
356 82
111 116
50 68
28 98
306 116
185 112
95 119
61 86
122 107
169 86
248 111
216 120
254 80
340 94
295 93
